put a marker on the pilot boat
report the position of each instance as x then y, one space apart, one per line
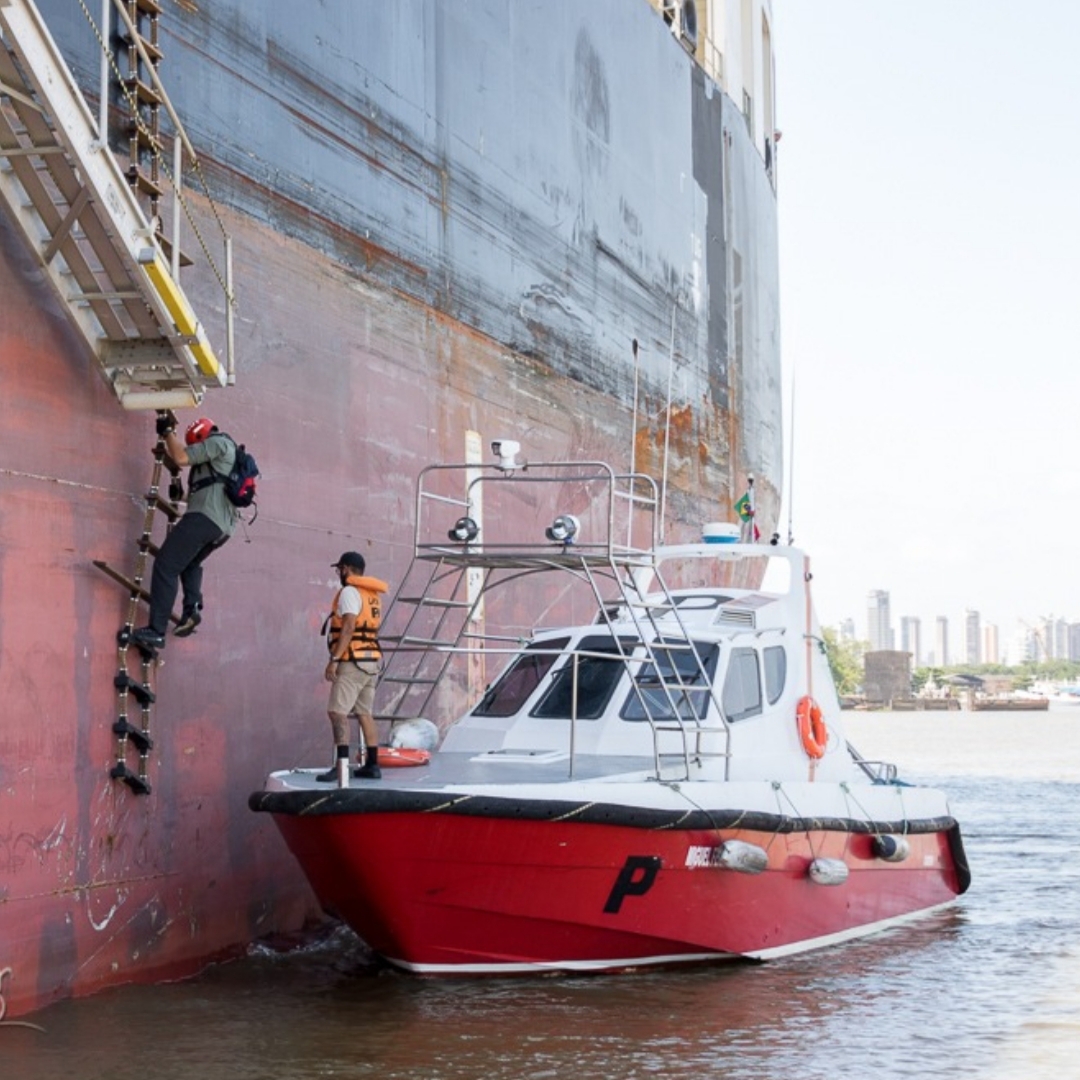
659 775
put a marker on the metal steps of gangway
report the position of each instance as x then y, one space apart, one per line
62 185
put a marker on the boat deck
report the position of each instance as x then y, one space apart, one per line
495 768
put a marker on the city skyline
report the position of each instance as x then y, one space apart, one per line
886 625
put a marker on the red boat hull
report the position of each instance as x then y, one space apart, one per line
439 893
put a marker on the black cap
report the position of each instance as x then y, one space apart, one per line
353 559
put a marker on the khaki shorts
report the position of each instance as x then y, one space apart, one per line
353 689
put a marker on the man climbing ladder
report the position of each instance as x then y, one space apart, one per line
208 523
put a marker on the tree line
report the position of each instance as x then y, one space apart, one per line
846 663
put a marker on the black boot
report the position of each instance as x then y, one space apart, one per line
330 776
146 637
370 769
189 619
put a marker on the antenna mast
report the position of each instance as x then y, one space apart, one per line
667 425
791 469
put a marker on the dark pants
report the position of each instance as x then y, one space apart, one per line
180 559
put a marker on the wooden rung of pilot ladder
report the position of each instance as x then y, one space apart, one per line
152 48
144 93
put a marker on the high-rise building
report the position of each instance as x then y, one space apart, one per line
1028 644
1045 633
1060 639
1042 641
941 641
847 629
991 653
911 638
972 644
879 631
1074 641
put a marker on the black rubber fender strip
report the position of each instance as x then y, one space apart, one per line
959 857
367 801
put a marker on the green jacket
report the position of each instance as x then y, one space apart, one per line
217 453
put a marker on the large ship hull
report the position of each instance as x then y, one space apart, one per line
543 220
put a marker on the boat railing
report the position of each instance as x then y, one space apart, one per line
879 772
445 621
543 510
480 528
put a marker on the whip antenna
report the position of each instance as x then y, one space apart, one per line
791 468
667 426
633 447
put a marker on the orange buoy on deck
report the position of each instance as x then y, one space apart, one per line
395 756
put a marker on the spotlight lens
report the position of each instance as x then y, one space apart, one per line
465 530
563 529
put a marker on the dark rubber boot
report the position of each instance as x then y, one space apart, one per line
370 769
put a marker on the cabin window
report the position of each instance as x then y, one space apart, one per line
678 665
742 685
775 657
515 686
598 674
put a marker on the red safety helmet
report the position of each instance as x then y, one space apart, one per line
198 430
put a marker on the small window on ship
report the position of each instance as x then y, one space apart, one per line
515 686
775 657
742 685
598 673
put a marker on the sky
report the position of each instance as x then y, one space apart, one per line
929 207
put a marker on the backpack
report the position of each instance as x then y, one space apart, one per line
240 483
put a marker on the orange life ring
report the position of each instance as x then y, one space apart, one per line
812 728
393 756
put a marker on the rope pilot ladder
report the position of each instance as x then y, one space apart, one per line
140 687
108 261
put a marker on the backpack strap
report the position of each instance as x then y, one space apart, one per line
215 477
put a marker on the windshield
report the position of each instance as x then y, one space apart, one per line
598 673
515 686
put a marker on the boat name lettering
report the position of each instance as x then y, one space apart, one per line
635 879
697 856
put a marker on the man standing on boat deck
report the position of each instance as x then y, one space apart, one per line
207 523
353 669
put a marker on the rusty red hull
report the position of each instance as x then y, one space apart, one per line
372 339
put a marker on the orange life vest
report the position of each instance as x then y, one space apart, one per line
364 644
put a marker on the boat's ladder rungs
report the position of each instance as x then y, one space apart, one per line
680 675
113 270
430 615
141 687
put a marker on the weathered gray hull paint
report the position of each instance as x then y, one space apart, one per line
559 176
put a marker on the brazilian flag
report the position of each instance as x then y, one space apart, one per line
744 509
